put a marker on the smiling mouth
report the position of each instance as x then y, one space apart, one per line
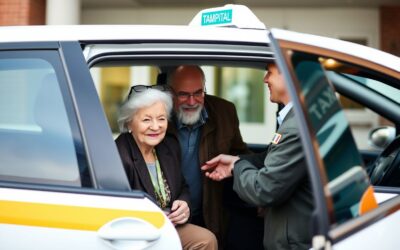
190 109
153 135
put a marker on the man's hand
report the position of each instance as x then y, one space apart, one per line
220 167
180 212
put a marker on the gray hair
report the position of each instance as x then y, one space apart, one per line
140 100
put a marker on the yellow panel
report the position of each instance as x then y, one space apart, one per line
68 217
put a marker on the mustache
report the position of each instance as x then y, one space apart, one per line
191 106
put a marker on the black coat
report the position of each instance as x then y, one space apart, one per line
168 154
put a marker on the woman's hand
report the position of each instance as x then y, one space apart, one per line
180 212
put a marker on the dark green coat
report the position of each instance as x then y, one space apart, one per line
282 186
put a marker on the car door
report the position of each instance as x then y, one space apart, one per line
62 183
346 213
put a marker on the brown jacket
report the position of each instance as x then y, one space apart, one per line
168 153
219 135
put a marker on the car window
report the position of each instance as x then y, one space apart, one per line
346 180
378 86
241 84
36 137
363 98
362 121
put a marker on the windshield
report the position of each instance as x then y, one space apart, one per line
377 86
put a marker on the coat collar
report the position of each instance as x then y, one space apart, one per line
210 125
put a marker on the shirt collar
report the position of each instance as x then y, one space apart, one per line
284 112
200 122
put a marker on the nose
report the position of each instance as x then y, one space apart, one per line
191 100
266 78
155 125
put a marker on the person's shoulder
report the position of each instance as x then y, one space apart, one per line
122 143
170 145
215 102
289 124
170 140
121 138
290 120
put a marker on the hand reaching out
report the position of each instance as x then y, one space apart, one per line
220 167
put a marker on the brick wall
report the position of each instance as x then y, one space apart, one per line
22 12
390 29
390 35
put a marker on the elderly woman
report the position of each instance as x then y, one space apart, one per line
152 160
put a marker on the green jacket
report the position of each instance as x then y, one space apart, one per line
282 186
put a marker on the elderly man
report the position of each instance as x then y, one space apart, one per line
206 126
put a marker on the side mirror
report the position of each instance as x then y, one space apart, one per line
380 137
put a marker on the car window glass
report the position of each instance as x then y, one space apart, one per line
37 144
242 85
346 179
378 86
362 121
368 91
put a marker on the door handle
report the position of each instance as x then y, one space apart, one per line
129 233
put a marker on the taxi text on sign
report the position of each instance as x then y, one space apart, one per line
216 17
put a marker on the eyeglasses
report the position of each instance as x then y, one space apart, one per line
141 88
183 96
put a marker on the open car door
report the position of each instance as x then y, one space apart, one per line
346 214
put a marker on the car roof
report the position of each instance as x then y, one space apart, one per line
130 32
184 33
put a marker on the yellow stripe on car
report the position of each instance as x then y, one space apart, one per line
69 217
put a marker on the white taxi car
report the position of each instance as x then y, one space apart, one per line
62 183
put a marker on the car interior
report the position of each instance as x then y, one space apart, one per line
348 81
365 87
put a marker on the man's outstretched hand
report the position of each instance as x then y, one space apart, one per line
219 167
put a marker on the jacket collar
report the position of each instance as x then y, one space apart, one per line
210 125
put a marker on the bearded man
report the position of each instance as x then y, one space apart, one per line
206 126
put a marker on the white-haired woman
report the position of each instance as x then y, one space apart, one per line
152 160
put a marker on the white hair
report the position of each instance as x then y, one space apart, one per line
140 100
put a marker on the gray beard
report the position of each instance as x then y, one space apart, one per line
189 118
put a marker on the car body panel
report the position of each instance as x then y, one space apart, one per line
103 33
374 236
74 221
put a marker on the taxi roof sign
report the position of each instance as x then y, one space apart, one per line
230 15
